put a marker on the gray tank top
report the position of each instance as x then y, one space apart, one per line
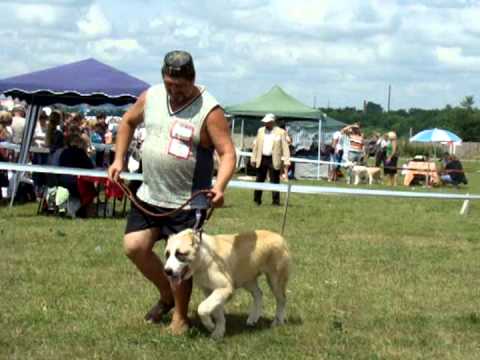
174 164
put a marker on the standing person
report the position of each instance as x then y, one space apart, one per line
40 156
391 159
337 154
270 152
354 147
380 152
18 124
289 170
184 124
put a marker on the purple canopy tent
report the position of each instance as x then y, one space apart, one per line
84 82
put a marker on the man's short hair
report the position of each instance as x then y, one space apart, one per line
101 115
178 64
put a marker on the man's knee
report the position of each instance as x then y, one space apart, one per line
136 245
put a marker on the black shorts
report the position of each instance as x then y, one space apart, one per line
390 167
137 220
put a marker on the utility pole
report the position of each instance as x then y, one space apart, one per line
389 97
314 101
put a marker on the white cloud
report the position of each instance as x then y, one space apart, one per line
340 50
94 23
454 57
115 49
40 14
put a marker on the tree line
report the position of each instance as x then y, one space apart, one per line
463 119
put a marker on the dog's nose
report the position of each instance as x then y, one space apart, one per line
169 272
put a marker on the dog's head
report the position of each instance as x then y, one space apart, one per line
180 252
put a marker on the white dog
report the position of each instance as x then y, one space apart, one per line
362 172
220 264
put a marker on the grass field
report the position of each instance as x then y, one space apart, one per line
372 278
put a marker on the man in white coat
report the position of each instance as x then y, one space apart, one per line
269 155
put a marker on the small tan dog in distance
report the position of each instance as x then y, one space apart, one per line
222 263
372 173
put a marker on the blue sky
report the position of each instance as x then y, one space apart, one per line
336 52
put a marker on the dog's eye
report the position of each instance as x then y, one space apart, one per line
167 254
181 256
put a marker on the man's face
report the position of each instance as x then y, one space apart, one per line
269 125
178 89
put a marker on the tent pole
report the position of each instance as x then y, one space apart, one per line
242 134
319 145
31 121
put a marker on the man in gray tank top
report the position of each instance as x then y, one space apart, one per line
184 125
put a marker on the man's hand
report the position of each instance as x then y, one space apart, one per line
114 170
216 197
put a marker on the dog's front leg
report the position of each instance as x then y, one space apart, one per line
214 302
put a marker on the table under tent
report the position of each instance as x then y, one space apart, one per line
308 127
87 82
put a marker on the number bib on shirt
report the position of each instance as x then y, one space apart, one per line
181 140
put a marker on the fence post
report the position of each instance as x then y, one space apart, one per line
465 206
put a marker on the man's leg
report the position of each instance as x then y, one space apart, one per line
275 179
182 293
138 247
261 176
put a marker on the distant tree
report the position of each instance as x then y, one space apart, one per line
467 102
372 108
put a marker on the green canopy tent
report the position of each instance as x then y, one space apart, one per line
283 105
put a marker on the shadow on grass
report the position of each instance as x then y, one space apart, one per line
237 325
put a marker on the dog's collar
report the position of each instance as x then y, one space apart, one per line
197 229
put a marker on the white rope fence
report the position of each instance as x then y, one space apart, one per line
284 188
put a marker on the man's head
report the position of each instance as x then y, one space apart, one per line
178 74
101 116
18 111
269 121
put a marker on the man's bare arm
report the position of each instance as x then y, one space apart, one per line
218 135
131 119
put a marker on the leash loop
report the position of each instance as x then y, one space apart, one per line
198 213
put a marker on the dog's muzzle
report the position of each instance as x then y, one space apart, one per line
178 278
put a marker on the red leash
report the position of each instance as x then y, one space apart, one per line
133 199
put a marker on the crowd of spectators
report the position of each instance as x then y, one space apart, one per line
60 139
350 148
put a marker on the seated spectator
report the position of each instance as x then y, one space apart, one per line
5 135
5 126
75 155
453 173
100 131
54 139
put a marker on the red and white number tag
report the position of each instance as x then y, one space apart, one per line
182 131
181 139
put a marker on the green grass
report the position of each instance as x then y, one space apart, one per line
372 278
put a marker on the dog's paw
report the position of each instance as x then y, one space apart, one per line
208 323
252 319
277 322
217 334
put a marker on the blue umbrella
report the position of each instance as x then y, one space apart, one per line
435 135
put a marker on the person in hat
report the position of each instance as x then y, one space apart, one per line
18 124
270 154
184 125
391 159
